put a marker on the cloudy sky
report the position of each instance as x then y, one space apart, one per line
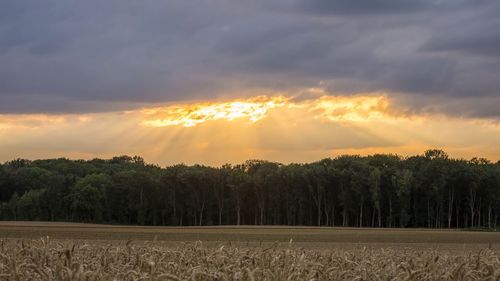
215 81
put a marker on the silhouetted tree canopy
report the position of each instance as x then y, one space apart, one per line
430 190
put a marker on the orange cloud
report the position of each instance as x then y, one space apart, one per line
354 108
189 115
30 120
332 108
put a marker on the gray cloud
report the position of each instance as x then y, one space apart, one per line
364 7
81 56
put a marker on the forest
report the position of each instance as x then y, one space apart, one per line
431 190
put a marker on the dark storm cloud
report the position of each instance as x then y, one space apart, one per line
364 7
78 56
478 38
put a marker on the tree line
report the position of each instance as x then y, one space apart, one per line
430 190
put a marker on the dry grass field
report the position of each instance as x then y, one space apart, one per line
51 251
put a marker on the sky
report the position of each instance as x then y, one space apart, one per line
223 81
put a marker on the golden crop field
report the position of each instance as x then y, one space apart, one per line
47 251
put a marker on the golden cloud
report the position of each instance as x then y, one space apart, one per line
332 108
189 115
356 108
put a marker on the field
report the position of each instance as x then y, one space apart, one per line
61 251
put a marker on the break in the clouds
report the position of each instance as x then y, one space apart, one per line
277 128
87 56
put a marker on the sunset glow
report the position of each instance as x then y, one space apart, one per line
357 108
190 115
263 127
331 108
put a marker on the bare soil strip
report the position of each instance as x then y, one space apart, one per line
308 236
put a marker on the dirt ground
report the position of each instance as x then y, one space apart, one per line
307 237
